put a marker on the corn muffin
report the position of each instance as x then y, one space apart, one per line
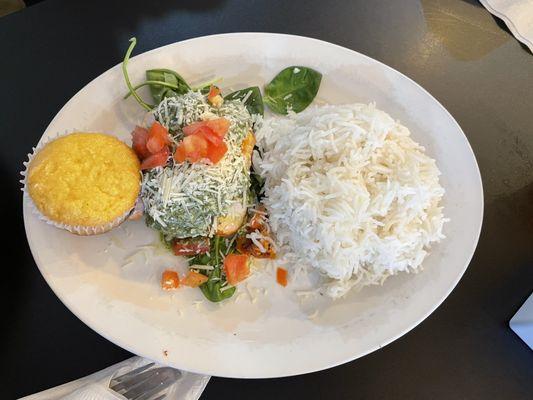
86 183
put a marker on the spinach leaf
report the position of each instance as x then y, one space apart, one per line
293 88
212 289
256 185
251 98
165 83
205 89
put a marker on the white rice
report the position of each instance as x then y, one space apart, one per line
349 194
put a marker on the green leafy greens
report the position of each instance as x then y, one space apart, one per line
162 82
256 185
251 97
165 83
132 90
294 89
215 287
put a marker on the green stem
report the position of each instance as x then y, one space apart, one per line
149 83
217 249
127 78
208 83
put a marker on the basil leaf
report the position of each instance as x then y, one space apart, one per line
176 85
294 89
251 98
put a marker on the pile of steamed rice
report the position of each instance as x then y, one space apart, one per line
349 194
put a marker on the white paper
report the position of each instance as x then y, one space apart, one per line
522 322
96 386
517 15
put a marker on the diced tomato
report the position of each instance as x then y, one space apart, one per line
237 268
209 135
190 129
281 276
170 280
216 153
157 138
139 136
219 126
192 148
179 154
195 147
160 131
156 160
194 279
213 91
214 96
190 247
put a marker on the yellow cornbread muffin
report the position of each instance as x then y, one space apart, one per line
84 182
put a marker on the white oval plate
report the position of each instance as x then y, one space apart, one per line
266 331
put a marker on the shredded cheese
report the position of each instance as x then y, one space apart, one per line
184 200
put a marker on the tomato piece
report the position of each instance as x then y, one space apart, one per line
237 268
213 91
179 154
196 147
214 96
155 144
219 126
281 276
190 129
192 148
156 160
157 138
158 130
209 135
170 280
216 153
139 136
194 279
190 247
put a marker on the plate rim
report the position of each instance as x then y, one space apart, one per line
212 371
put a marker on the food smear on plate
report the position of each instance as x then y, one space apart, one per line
198 189
86 183
349 195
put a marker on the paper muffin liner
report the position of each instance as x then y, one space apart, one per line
76 229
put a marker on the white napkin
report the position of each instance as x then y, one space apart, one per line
517 15
96 386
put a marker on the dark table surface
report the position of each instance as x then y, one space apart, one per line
455 49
